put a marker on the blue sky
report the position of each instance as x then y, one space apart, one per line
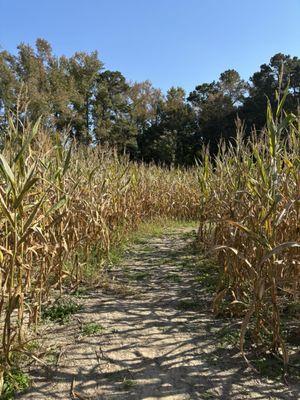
170 42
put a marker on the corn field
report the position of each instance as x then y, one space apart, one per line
250 220
59 201
57 204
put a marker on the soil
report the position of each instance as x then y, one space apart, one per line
156 339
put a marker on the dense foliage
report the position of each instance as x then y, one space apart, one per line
77 95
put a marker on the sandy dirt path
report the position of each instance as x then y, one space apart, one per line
159 339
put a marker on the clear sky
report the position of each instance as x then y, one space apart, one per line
170 42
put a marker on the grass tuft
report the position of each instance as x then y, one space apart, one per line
61 311
91 328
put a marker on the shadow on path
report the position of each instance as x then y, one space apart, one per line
151 347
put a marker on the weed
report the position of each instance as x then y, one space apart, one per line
138 276
228 337
79 292
15 381
128 383
269 366
91 328
207 280
61 311
208 395
51 358
189 305
173 278
292 309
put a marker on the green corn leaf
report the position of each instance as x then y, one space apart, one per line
28 140
57 205
33 213
282 101
67 161
6 211
28 184
6 171
271 130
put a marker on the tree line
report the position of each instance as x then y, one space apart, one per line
78 96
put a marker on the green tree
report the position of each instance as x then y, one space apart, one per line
170 137
146 102
281 71
83 70
9 87
216 105
113 123
31 69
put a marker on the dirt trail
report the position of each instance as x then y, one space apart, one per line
157 341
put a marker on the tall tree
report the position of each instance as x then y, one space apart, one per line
113 123
216 105
84 70
32 71
9 86
281 71
75 94
146 101
170 138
